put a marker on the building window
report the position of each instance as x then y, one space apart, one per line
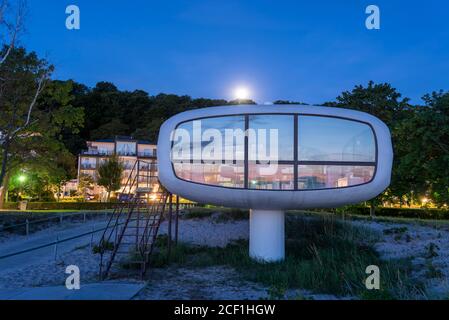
333 139
271 177
271 141
126 148
331 176
211 151
88 163
280 152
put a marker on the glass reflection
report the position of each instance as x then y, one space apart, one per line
328 176
212 150
270 177
210 140
334 139
231 176
274 137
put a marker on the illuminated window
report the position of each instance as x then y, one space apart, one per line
279 152
334 139
330 176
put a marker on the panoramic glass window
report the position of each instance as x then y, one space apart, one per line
274 137
271 177
326 144
329 176
334 139
231 176
271 141
281 152
211 151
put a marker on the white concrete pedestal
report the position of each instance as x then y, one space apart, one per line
267 235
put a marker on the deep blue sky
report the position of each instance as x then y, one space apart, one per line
299 50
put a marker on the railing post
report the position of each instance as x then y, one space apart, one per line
170 208
92 238
177 220
84 217
60 218
27 227
56 246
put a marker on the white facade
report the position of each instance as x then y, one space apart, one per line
128 150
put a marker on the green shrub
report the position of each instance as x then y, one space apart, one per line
198 213
103 247
414 213
224 214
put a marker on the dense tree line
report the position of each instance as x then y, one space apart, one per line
111 112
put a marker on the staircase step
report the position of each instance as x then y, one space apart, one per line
136 215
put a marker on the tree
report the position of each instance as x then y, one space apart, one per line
384 102
85 184
241 101
110 129
283 102
62 171
11 25
423 151
110 174
22 79
33 115
380 100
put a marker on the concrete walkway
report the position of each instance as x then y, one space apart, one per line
94 291
43 237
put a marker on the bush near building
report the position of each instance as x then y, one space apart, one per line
413 213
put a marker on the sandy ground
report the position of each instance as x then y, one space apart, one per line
39 268
217 283
428 245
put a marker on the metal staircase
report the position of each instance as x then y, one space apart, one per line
133 227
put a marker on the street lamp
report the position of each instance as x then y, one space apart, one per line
22 178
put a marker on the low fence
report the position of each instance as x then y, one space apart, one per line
30 220
62 205
26 226
55 244
70 205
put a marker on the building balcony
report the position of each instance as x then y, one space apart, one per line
146 154
97 153
126 154
88 167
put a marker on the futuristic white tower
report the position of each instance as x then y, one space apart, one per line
273 158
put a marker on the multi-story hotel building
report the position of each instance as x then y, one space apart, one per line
129 151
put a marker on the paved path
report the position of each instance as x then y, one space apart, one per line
43 237
107 290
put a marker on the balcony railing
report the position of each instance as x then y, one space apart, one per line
97 153
88 166
147 154
126 154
